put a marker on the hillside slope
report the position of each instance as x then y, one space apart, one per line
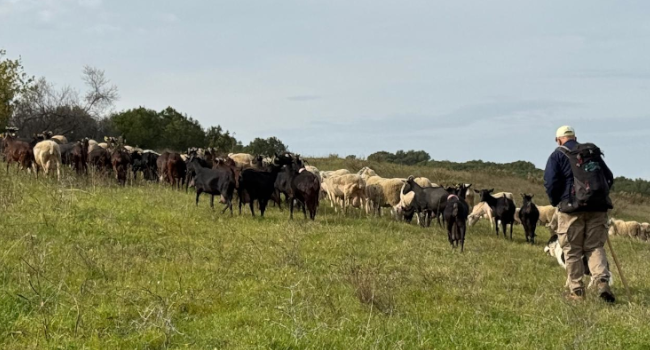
88 264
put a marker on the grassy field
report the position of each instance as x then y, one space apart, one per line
86 265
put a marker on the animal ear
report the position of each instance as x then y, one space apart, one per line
532 196
491 190
410 178
523 195
477 191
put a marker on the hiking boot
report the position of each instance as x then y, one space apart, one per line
604 292
576 295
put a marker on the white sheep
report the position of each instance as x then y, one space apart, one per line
546 213
383 192
424 182
326 174
481 211
60 139
343 190
242 159
47 155
624 228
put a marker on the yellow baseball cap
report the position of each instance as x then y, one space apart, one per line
565 131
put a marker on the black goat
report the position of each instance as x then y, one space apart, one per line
427 201
219 181
455 215
305 188
259 185
529 215
503 209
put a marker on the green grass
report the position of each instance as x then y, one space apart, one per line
87 265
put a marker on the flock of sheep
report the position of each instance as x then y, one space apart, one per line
364 190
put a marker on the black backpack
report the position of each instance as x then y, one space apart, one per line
590 187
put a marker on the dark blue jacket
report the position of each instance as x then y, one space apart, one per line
558 176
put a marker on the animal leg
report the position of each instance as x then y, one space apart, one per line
198 193
252 207
463 229
450 233
532 234
212 201
263 203
511 225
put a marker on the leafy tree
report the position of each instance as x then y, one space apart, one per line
411 157
180 131
222 141
266 147
382 156
140 126
13 82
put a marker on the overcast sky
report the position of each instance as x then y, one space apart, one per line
462 80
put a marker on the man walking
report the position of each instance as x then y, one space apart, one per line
577 182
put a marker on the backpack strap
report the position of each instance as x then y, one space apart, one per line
564 150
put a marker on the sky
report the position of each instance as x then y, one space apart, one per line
462 80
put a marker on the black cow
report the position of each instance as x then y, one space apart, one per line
529 215
503 209
219 181
455 215
427 201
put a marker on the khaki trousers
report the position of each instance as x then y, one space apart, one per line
583 233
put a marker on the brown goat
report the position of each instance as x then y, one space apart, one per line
176 170
120 160
19 152
79 156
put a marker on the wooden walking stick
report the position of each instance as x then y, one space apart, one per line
620 271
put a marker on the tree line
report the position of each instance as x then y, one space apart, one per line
522 169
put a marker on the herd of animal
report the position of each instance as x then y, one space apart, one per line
258 179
